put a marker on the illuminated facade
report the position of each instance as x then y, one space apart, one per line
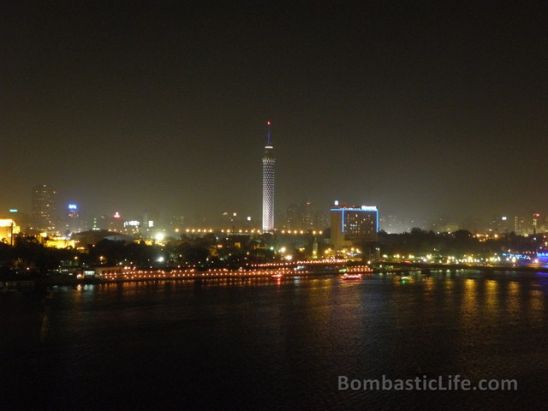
116 223
8 229
353 225
59 242
43 208
269 163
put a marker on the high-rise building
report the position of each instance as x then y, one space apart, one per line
321 219
269 163
293 217
301 217
519 225
536 222
43 208
307 215
500 224
72 219
116 222
353 225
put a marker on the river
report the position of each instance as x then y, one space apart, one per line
262 344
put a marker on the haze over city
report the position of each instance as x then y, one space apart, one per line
424 111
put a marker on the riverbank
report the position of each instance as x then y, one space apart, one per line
274 274
490 268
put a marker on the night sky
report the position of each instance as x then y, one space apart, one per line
424 109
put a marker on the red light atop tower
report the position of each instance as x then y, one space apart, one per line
268 123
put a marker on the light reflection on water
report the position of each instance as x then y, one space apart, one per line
277 342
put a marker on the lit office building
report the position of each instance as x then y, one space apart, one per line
353 225
116 223
73 219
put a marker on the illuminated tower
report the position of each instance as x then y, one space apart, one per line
269 163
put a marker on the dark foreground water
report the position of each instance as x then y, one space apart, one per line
259 344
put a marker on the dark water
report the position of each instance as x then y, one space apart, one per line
259 344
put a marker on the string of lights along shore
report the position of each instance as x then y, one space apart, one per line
269 164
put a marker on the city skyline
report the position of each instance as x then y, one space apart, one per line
316 217
48 214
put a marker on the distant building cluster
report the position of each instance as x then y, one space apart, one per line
520 225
